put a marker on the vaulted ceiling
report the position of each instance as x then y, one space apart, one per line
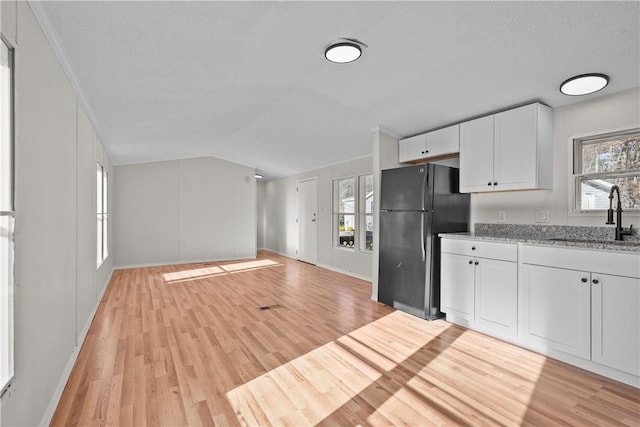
248 81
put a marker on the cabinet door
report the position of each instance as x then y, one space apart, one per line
616 322
413 148
557 315
496 309
457 288
515 142
443 141
476 155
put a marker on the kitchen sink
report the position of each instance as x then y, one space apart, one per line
595 241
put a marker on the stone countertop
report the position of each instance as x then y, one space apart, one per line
594 238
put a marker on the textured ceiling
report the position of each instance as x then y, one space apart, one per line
248 82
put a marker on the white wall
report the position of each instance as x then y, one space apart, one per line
280 228
607 113
57 285
182 211
260 212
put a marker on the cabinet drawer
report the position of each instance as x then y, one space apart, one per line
616 263
481 248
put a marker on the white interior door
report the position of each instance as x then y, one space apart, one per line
308 220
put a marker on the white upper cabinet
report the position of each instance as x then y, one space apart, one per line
511 150
476 155
444 141
411 149
441 142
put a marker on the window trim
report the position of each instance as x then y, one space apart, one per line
575 163
362 212
336 212
359 214
102 213
6 382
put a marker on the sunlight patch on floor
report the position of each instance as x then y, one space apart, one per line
249 265
405 371
213 271
310 388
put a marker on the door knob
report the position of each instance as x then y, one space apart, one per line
584 280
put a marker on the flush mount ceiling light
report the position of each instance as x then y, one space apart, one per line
344 51
258 176
584 84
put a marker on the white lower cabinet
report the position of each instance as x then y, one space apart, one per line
479 282
496 296
457 287
615 325
577 305
556 313
584 304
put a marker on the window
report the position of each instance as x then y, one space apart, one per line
102 210
366 213
353 212
345 210
603 161
7 215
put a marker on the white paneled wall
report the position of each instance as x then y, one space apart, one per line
182 211
57 284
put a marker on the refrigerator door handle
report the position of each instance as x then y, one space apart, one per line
424 187
424 250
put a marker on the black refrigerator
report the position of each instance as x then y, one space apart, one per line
417 203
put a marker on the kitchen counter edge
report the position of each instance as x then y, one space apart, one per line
634 249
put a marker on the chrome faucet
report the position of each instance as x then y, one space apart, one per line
620 232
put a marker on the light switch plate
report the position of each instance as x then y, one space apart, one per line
502 216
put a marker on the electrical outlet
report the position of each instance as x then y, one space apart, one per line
502 216
542 216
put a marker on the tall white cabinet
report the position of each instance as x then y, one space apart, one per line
511 150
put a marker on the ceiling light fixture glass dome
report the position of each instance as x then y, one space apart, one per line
584 84
343 52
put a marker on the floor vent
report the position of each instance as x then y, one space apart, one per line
269 307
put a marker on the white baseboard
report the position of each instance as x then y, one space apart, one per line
278 253
347 273
55 399
325 266
182 262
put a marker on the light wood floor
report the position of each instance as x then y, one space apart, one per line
188 345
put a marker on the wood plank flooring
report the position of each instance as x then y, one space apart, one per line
189 345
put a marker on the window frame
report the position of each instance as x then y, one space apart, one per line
337 212
363 214
575 176
102 214
359 214
7 373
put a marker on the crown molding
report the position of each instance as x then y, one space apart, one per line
386 131
42 16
